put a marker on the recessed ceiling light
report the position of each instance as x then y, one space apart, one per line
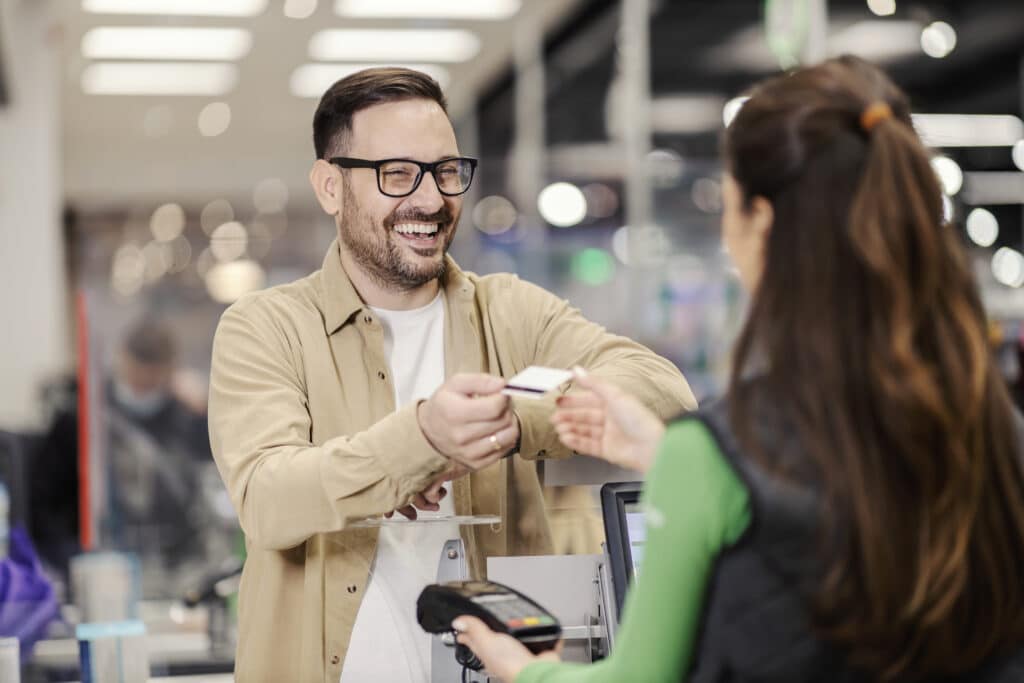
158 78
427 45
197 8
168 43
299 9
434 9
312 80
883 8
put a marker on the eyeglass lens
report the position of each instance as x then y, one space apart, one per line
400 177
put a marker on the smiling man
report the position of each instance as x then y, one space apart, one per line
373 385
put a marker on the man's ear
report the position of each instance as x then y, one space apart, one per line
326 181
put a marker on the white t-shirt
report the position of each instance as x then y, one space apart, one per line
387 644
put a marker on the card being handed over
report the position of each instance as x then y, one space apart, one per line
535 381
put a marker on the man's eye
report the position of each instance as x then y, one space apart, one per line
397 173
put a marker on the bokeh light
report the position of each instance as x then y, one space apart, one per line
562 204
593 266
167 222
494 215
982 227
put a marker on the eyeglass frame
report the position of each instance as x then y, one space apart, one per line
353 162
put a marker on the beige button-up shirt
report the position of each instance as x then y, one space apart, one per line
307 439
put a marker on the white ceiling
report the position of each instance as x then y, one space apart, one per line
110 162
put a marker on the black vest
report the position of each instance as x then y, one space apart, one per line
756 624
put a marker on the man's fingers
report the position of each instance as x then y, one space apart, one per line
482 408
485 451
408 511
470 433
475 383
434 494
423 503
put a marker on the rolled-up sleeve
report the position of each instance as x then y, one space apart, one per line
284 487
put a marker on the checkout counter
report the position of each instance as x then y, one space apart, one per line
191 641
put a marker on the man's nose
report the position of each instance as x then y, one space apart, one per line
427 196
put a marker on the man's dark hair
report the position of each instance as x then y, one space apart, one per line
333 119
151 342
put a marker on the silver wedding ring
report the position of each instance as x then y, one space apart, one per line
495 443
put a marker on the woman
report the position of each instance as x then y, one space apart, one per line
854 510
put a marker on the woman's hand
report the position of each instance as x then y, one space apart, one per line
503 656
606 422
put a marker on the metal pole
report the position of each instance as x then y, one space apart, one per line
635 69
815 48
528 160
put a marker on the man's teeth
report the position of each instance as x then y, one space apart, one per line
417 228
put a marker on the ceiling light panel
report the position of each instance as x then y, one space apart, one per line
194 8
312 80
428 9
159 78
416 45
166 43
969 130
877 40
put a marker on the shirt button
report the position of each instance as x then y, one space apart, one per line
380 373
367 319
335 659
351 589
541 453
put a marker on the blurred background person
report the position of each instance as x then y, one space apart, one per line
157 441
156 444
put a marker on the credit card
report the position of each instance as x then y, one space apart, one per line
535 381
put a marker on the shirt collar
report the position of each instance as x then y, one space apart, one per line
342 301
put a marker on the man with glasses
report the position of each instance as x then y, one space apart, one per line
373 385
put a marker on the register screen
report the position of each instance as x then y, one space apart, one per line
637 532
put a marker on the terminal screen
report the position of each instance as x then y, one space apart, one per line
636 531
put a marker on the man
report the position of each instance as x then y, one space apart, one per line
364 387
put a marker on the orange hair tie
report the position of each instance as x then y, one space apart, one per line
874 114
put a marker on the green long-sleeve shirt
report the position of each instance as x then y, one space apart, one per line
696 505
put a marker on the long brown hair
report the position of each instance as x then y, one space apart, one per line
868 327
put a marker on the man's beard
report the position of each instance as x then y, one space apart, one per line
372 245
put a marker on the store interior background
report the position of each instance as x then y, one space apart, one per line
130 195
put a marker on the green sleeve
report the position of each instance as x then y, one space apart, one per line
696 506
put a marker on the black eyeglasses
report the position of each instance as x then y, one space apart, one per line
401 177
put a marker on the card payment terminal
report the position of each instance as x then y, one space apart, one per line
503 609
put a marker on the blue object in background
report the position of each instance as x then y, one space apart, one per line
113 652
27 600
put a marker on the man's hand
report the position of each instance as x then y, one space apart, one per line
430 497
469 420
